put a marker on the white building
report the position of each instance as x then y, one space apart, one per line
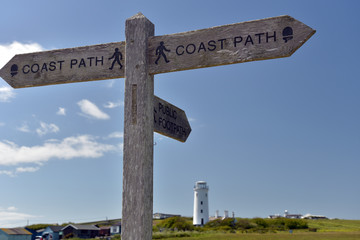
201 204
311 216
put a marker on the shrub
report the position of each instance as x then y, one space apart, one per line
260 222
226 224
243 224
296 224
179 223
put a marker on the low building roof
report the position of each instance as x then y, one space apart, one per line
82 227
55 228
16 231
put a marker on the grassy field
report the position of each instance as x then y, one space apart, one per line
277 236
335 225
336 229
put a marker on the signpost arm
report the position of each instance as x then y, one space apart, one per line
137 200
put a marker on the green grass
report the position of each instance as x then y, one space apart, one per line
276 236
336 229
335 225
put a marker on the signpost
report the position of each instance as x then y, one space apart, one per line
142 56
268 38
97 62
170 120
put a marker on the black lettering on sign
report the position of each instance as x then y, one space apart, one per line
82 63
52 66
35 68
61 62
73 62
171 126
270 36
237 40
26 69
90 60
44 67
99 61
201 47
259 35
249 39
190 48
166 110
180 50
222 42
212 45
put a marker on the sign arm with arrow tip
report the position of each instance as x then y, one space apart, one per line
145 56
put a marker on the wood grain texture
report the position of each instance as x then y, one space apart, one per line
68 65
170 120
137 198
228 44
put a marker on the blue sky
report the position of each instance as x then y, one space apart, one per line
266 136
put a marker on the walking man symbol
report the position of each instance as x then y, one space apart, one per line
117 56
160 52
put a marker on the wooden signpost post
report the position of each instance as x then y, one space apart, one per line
138 59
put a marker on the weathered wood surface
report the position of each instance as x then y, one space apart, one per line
66 65
268 38
241 42
170 120
137 198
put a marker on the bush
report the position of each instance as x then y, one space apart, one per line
179 223
226 224
260 222
243 224
296 224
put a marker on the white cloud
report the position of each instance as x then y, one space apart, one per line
12 208
6 93
46 128
13 173
116 135
27 169
83 146
61 111
113 104
6 172
24 128
10 217
89 109
8 51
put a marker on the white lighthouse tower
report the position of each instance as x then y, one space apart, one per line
201 203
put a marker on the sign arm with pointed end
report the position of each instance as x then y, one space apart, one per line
145 113
170 120
68 65
263 39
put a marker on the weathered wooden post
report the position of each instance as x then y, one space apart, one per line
144 54
137 203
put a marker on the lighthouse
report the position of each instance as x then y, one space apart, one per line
201 204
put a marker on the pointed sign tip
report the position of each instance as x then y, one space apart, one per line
138 15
